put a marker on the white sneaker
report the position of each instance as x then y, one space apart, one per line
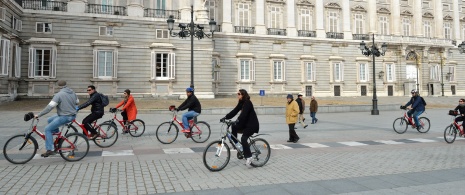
248 161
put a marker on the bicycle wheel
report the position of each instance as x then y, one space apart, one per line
425 125
74 147
261 152
137 128
216 157
19 150
400 125
200 132
69 129
108 135
450 133
167 132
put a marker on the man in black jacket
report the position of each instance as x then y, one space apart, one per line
301 102
96 110
193 106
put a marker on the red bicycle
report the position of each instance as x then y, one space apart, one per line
21 148
401 124
108 133
167 132
135 128
450 133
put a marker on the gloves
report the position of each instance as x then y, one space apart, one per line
77 108
223 119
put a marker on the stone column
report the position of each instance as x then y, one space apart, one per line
372 17
319 17
438 19
201 11
227 25
136 8
291 29
260 28
456 27
418 18
77 6
346 19
395 17
185 9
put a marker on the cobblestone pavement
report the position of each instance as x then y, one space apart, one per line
142 165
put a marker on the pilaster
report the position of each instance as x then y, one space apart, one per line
346 19
136 8
227 19
291 29
77 6
395 17
438 19
319 17
418 18
260 28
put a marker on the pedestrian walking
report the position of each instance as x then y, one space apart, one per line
313 110
292 112
301 102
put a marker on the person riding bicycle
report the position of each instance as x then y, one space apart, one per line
96 110
129 108
461 109
65 101
417 107
193 106
247 121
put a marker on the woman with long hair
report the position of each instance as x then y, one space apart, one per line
129 108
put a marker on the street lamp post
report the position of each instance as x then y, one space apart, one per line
191 31
442 76
374 52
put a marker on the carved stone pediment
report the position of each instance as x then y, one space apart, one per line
359 8
428 15
383 10
277 1
333 6
448 17
304 3
406 13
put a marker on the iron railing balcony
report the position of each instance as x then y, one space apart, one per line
44 5
161 13
244 29
306 33
360 36
106 9
276 31
334 35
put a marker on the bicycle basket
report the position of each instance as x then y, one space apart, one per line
28 116
172 107
453 113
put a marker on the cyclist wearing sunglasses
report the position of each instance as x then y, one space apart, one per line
417 107
461 109
96 110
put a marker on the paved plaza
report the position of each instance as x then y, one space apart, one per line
344 153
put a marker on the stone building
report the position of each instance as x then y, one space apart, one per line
280 46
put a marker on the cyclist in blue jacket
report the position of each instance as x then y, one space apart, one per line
417 107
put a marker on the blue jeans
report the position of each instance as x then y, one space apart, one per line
188 116
416 114
313 115
54 122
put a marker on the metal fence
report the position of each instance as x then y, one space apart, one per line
106 9
161 13
43 5
277 31
306 33
244 29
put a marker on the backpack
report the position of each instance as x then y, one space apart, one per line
423 100
104 99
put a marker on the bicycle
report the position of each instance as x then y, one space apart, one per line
401 124
21 148
135 128
450 133
167 132
218 152
108 133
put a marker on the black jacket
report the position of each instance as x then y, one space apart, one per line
191 103
461 109
248 120
96 103
301 108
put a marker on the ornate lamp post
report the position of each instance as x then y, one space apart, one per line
373 51
442 75
191 31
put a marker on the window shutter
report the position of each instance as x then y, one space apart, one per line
7 56
393 73
18 62
153 71
115 64
367 74
32 55
171 65
102 31
2 13
342 71
54 63
313 71
252 70
19 25
284 70
95 63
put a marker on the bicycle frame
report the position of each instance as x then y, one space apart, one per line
458 126
229 136
33 129
84 130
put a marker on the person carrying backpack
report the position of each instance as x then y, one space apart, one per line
417 107
96 111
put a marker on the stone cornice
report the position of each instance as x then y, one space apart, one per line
105 43
333 6
359 8
383 10
35 40
162 46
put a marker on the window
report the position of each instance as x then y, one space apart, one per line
278 70
363 72
16 24
160 4
243 13
305 19
16 57
358 24
338 71
105 63
452 73
390 72
215 69
411 72
105 31
42 62
275 17
43 27
310 72
210 5
384 25
162 34
447 30
247 70
427 27
463 32
434 72
333 22
4 56
406 26
163 65
2 13
107 6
